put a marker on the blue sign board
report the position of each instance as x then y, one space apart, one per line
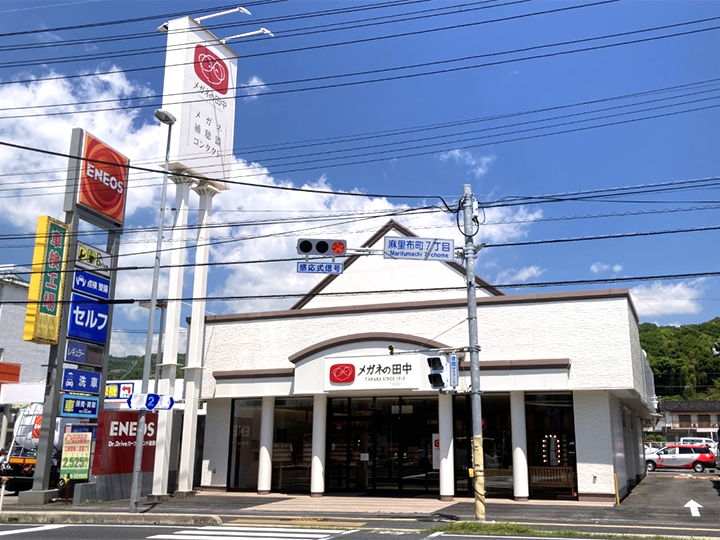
84 428
78 380
88 283
319 268
454 370
79 406
78 352
88 319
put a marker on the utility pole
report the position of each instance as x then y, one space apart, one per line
474 349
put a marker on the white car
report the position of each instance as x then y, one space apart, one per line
712 445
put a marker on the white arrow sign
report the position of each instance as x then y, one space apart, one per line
693 508
150 402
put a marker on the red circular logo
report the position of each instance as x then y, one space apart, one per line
342 373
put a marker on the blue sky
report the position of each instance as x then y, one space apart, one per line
681 146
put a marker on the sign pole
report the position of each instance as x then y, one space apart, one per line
46 443
474 348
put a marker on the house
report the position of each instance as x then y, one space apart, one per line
333 394
690 418
31 357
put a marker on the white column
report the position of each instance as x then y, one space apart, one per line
193 370
521 488
172 335
317 472
267 423
447 458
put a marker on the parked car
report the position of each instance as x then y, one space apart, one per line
681 456
653 446
702 441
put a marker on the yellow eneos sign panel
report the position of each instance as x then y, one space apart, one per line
44 308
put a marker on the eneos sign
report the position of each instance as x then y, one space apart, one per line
103 180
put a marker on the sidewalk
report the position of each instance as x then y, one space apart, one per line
216 508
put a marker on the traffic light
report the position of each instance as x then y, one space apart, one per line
322 246
438 376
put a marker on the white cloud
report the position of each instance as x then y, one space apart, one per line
479 166
136 133
668 298
598 268
519 276
254 87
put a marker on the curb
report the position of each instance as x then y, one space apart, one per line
107 518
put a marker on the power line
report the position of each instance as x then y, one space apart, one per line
377 134
299 32
281 296
413 66
143 52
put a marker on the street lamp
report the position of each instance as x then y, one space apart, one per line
135 490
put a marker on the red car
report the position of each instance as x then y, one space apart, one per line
681 456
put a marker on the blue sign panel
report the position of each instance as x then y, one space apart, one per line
319 268
88 319
77 380
88 283
79 406
84 428
77 352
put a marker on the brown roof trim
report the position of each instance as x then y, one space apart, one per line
254 373
368 336
427 304
494 365
382 231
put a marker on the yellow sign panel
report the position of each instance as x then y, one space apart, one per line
47 282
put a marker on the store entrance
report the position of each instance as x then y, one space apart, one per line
382 444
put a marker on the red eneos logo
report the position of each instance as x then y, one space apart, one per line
103 180
342 373
211 69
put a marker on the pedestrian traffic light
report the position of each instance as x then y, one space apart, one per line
438 376
322 246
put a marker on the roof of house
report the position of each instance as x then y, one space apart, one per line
690 406
391 225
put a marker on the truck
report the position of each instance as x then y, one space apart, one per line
18 464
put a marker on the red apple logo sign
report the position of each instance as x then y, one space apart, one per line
211 69
342 373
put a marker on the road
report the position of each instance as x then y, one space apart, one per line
656 506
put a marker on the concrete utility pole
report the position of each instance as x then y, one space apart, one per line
474 348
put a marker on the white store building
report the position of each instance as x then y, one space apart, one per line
310 399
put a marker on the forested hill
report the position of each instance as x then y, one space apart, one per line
682 360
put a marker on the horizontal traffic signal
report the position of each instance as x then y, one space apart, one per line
322 246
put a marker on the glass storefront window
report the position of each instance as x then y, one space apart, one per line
244 444
292 445
551 444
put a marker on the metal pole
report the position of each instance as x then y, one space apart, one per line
474 348
136 487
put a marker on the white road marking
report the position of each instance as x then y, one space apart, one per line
32 529
694 508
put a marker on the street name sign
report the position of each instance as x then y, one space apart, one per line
419 249
454 370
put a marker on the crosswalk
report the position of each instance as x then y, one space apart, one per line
228 532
